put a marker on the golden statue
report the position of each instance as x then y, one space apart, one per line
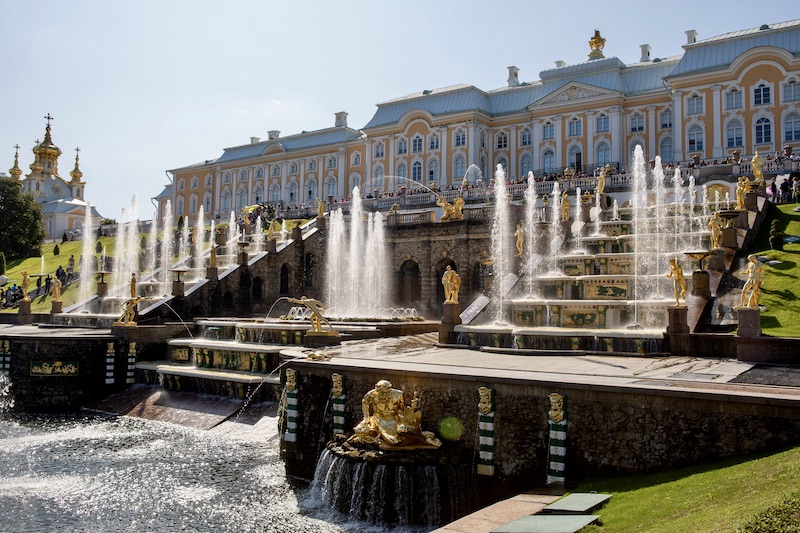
212 257
388 423
484 400
57 290
565 206
601 182
678 280
742 188
715 230
556 413
271 230
320 209
596 44
291 380
337 385
128 312
133 285
317 308
452 212
26 282
520 239
751 292
758 169
452 283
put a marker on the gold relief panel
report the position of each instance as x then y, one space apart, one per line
607 292
54 368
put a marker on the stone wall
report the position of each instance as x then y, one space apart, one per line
611 430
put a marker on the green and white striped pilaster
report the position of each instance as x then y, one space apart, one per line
557 451
337 403
485 465
290 391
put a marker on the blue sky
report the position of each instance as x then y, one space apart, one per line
143 87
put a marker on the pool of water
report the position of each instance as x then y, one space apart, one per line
98 473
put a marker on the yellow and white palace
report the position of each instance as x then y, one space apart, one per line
738 92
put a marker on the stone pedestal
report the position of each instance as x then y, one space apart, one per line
729 239
678 322
270 246
318 339
25 316
177 288
701 282
717 261
751 201
566 229
102 289
450 319
322 223
212 273
56 307
749 322
242 257
297 233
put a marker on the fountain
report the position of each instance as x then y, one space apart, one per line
87 259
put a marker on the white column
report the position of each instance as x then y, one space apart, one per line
677 126
473 145
557 135
651 132
217 193
617 139
590 127
716 120
301 183
367 165
444 164
512 154
391 184
536 141
341 169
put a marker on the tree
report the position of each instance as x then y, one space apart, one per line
98 247
64 238
2 263
56 250
21 220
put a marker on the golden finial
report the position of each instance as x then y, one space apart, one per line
15 171
76 172
596 45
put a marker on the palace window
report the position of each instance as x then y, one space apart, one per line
227 178
330 187
433 171
602 123
181 185
356 159
194 183
483 139
259 172
402 147
502 141
548 161
258 194
332 161
695 138
763 131
193 204
791 91
312 164
666 150
378 149
603 156
575 127
312 190
666 119
416 171
226 201
243 175
461 138
241 199
548 131
734 134
416 144
695 105
733 99
526 137
402 172
293 168
275 193
433 143
276 170
208 181
207 202
761 95
525 165
791 127
460 167
293 191
637 122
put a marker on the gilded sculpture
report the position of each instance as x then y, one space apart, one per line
317 308
757 164
678 279
388 423
601 182
26 282
565 206
742 188
452 212
57 290
452 283
751 292
556 413
133 285
291 380
520 234
320 209
715 230
484 400
596 44
212 257
337 385
128 312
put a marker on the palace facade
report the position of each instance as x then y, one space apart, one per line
725 96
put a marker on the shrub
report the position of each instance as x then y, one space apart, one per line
56 250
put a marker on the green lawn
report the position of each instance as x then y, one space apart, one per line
721 496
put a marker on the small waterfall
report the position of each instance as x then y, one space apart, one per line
579 219
167 247
531 232
501 241
230 243
87 258
198 238
6 400
598 214
152 246
184 246
556 239
258 236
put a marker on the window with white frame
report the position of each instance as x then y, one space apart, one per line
378 149
332 161
575 127
243 175
356 159
601 123
761 95
402 172
433 142
433 171
259 172
460 167
483 139
791 127
312 164
330 187
181 184
575 157
276 170
226 201
293 191
402 147
694 105
226 178
355 181
602 155
275 193
548 131
311 190
208 181
503 164
637 122
791 91
502 141
416 144
241 199
548 161
258 195
525 165
195 182
733 99
377 180
666 119
734 134
180 206
763 131
461 138
666 150
207 202
695 138
525 138
193 204
293 168
416 171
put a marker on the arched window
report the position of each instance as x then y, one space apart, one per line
460 167
763 131
634 144
179 210
378 149
195 182
791 127
525 165
259 172
276 169
181 184
433 142
695 139
416 171
433 171
355 181
666 150
293 192
207 202
402 172
241 198
402 147
258 195
312 164
227 178
275 193
483 167
503 163
226 201
332 161
575 157
293 168
243 175
733 134
416 144
330 186
548 161
208 181
356 159
193 204
311 188
377 180
603 155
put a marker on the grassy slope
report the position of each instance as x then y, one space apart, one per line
720 496
780 295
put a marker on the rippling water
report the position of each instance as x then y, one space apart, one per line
126 474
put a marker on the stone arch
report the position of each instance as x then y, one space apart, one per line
257 291
408 290
283 284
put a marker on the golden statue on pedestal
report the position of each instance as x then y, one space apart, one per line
715 230
751 292
757 164
565 206
742 188
452 212
452 283
678 280
520 234
128 312
389 423
26 282
320 209
317 308
601 182
596 44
